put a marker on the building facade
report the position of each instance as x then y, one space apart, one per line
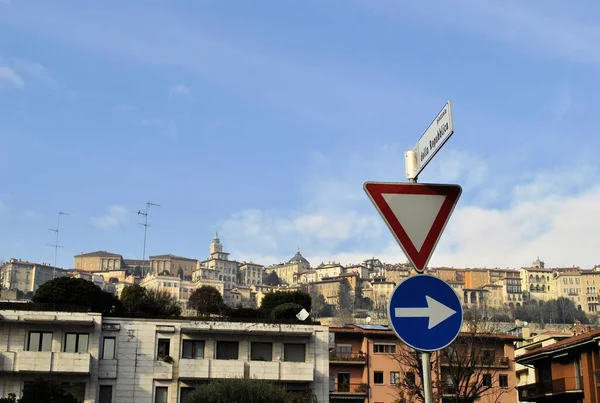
117 360
27 277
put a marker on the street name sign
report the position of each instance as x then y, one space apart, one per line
425 313
436 135
416 214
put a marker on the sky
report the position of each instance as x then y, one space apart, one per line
262 120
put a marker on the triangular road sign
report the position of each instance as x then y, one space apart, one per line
415 213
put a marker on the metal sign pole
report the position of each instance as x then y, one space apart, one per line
425 356
427 384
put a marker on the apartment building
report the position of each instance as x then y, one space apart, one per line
565 371
250 274
364 365
180 289
26 276
118 360
59 346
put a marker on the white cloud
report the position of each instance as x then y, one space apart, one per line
10 77
550 214
180 91
115 216
35 70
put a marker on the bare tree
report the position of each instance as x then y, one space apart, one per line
465 371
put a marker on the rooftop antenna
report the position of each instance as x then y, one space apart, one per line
56 245
145 224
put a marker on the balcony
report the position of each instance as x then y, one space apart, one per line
267 370
226 369
297 371
554 387
107 369
336 357
485 362
349 389
162 370
42 361
190 368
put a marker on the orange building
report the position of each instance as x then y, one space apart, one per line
363 366
565 372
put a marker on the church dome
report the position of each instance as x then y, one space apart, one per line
298 258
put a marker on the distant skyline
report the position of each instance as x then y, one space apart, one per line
262 120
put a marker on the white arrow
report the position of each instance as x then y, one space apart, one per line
435 311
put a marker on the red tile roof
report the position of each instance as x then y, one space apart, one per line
570 342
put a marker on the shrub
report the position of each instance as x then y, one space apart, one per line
286 311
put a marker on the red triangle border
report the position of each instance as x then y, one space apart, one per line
419 259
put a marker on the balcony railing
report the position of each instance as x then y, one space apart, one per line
551 387
491 362
351 388
336 356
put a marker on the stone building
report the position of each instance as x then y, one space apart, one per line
27 277
175 265
289 271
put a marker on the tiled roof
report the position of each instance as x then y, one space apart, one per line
170 256
570 342
100 253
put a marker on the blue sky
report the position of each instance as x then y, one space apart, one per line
262 120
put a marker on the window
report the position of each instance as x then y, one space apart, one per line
105 394
193 349
76 343
487 380
378 377
227 350
161 394
394 378
384 349
184 394
39 341
164 348
261 351
294 352
503 381
108 348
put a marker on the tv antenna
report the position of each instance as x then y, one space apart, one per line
145 224
56 245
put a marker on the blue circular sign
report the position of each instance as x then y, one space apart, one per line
425 313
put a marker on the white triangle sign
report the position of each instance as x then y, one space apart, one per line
415 213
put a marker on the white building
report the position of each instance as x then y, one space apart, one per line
116 360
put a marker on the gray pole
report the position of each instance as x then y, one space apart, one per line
427 387
56 245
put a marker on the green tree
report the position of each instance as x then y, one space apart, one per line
245 391
150 302
206 300
12 398
274 299
77 291
286 311
41 390
319 304
345 299
272 279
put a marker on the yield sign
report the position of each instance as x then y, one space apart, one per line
415 213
